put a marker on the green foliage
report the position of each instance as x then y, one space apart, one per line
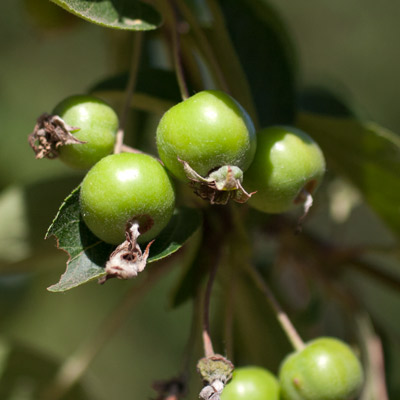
88 254
133 15
338 273
156 89
272 77
366 154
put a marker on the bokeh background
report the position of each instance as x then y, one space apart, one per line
350 46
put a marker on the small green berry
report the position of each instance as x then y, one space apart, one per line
287 165
122 188
326 369
208 130
97 123
251 383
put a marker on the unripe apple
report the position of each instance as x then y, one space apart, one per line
287 165
326 369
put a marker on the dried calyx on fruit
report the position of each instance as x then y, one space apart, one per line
80 131
50 133
216 371
127 199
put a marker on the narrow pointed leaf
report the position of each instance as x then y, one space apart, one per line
267 55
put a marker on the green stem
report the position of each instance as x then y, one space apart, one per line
203 44
190 345
229 61
282 317
76 365
208 347
137 48
375 382
229 316
172 24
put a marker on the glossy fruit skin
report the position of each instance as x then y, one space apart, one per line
208 130
251 383
286 161
98 125
326 369
124 186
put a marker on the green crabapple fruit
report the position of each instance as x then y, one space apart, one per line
122 188
287 165
97 123
208 130
326 369
251 383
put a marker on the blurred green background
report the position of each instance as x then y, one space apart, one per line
350 46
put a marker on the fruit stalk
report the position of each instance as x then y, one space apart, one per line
204 45
174 40
137 49
208 347
233 71
282 317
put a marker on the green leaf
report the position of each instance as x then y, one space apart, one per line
320 100
184 223
366 154
267 56
25 373
88 254
156 90
131 15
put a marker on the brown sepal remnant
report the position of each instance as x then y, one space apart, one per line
128 259
216 371
49 134
306 198
172 389
219 186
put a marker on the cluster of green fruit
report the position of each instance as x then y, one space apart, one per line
326 369
208 140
